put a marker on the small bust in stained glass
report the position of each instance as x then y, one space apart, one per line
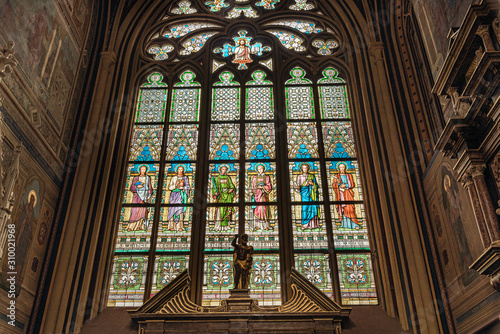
242 258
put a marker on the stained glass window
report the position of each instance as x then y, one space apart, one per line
154 211
289 40
357 285
276 159
305 26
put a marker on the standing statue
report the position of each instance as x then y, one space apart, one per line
242 259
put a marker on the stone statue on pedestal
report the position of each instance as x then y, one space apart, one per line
242 259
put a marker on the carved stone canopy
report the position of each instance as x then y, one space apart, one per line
308 310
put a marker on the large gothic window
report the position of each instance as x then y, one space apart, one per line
242 124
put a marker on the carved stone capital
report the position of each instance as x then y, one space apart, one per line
376 51
477 170
484 32
466 180
7 60
108 60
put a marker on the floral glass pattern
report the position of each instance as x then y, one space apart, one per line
289 40
305 26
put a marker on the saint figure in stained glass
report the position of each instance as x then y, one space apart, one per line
343 184
242 49
261 187
223 192
180 192
142 190
307 186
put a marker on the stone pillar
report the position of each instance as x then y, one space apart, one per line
486 202
468 183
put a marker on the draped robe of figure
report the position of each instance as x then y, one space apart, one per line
242 55
308 193
261 212
139 215
347 212
180 188
222 184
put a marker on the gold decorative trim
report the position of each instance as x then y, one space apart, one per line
181 303
299 302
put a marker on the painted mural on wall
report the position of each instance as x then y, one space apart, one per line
26 220
455 205
45 52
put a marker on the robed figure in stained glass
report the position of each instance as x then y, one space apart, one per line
180 191
223 192
308 188
242 52
261 187
343 184
142 190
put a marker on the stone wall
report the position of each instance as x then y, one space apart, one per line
37 102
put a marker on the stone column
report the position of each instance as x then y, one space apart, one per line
468 183
486 202
484 32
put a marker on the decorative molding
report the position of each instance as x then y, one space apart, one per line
488 264
180 303
7 61
171 308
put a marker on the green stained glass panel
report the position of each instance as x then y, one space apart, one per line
357 285
338 140
151 105
226 104
333 102
302 141
146 143
316 268
298 77
185 105
259 103
299 102
330 76
128 280
166 269
265 283
218 279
